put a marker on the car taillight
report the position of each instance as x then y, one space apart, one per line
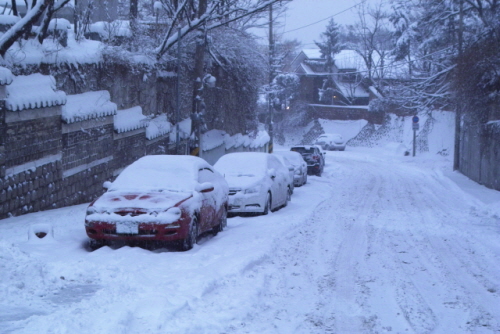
315 157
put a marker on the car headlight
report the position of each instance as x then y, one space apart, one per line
298 172
91 210
252 190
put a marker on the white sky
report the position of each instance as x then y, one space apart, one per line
305 20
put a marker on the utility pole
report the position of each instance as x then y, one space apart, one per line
458 110
271 74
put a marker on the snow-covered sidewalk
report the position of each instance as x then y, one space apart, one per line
380 243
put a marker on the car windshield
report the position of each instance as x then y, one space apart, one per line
242 165
156 175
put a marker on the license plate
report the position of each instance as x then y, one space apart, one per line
127 228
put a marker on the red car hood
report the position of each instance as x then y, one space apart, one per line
115 200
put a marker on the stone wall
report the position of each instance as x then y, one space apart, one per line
345 113
31 178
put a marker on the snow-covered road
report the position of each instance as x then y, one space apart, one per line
380 244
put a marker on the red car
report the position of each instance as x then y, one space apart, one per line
160 198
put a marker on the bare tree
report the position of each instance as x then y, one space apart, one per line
34 11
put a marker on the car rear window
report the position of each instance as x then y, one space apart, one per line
302 150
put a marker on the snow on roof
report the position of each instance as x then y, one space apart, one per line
312 53
349 59
88 105
352 90
6 76
158 126
212 139
8 19
33 91
129 119
59 24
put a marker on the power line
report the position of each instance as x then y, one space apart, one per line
329 17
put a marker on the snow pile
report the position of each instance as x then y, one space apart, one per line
8 20
107 30
59 24
31 52
6 76
157 127
33 91
80 107
130 119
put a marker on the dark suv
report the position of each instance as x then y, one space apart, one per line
313 156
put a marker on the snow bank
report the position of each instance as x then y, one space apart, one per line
88 105
42 92
130 119
157 127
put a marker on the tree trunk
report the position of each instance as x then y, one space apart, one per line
199 62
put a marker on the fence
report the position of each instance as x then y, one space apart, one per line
480 153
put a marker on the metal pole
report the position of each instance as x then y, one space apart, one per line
178 109
414 141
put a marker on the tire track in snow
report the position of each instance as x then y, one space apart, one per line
475 291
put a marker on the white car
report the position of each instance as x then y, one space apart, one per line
258 182
299 166
291 171
331 142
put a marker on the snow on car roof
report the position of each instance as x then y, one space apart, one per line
161 172
293 157
246 162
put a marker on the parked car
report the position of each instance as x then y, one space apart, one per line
331 142
291 170
160 198
258 182
299 166
313 156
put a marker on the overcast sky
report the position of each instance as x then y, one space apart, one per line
305 20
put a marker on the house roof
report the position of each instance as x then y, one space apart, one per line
312 53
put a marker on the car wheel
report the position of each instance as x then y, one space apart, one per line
96 244
222 223
288 196
267 208
192 236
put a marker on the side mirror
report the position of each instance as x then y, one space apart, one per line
205 187
272 173
107 184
